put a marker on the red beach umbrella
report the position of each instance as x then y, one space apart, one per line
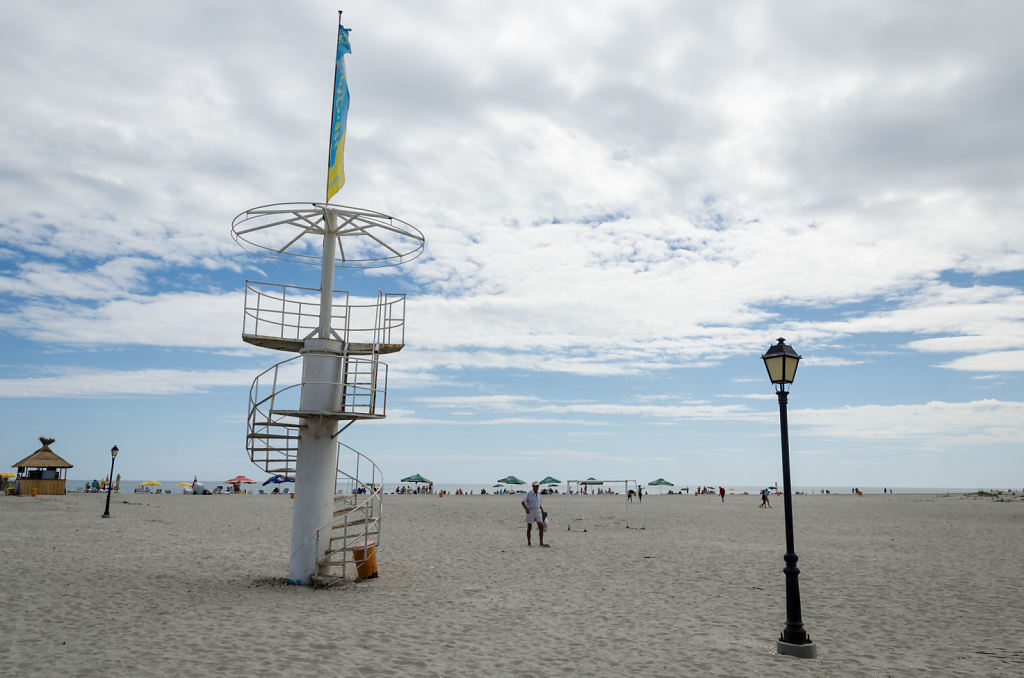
240 479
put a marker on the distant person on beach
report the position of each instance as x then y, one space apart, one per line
534 514
764 499
640 494
721 493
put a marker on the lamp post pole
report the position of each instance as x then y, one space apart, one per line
794 633
781 361
110 480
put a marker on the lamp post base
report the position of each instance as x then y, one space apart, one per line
806 650
105 515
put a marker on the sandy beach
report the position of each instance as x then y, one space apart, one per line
891 585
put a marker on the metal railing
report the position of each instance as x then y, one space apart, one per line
272 437
357 523
275 410
292 313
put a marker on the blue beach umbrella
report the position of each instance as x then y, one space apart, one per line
277 479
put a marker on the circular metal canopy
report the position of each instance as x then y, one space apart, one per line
295 231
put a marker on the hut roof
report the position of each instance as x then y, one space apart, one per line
44 457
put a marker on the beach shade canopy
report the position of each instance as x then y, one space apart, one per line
661 481
7 474
278 479
415 479
593 481
511 480
240 480
149 483
550 480
185 484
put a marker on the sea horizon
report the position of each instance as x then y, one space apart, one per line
129 485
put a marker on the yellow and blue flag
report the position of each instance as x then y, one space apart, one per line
339 118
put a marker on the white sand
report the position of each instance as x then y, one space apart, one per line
901 585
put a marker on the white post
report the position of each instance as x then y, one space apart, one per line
316 468
327 275
626 485
568 501
582 503
315 473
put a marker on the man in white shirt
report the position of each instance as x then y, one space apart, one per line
534 514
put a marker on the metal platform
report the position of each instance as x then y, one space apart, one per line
295 345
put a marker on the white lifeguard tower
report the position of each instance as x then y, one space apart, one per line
298 407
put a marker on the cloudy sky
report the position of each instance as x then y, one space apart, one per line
624 205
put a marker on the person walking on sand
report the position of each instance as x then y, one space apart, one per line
721 493
534 514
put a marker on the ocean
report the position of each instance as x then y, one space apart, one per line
172 487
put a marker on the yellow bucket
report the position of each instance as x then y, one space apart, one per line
365 555
35 492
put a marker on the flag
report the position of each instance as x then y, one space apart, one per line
339 118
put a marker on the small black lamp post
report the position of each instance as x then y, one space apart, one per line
781 361
110 480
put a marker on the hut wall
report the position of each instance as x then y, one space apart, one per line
41 486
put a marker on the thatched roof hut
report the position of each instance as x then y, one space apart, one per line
44 457
44 471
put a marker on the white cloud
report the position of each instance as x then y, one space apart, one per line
83 383
934 424
996 361
486 402
969 344
185 319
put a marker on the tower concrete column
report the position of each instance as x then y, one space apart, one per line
316 468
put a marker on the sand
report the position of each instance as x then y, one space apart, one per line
891 585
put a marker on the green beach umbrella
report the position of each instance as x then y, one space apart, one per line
593 481
415 479
511 480
661 481
551 481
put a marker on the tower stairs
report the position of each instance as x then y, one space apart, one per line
299 407
278 316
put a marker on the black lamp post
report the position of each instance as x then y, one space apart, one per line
781 361
110 480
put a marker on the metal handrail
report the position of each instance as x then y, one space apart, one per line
266 410
360 392
292 313
369 509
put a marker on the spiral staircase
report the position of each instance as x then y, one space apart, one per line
300 405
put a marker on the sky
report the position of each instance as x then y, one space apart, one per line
624 205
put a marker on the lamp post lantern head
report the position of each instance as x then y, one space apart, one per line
113 451
781 361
